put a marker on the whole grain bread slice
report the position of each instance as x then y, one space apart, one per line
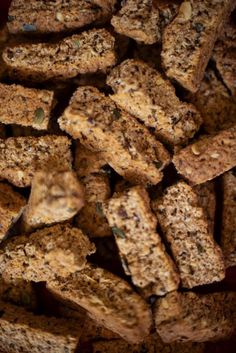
141 249
208 157
109 300
189 39
195 317
22 331
54 251
83 53
126 145
143 92
185 226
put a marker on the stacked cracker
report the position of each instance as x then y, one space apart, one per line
92 126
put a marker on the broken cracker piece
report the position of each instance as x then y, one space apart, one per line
55 197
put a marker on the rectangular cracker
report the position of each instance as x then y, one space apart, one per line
20 157
144 93
109 300
185 226
189 39
228 232
39 16
195 317
11 208
126 145
141 249
87 52
91 219
22 331
207 200
55 196
41 256
25 106
208 157
214 102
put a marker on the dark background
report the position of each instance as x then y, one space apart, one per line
228 284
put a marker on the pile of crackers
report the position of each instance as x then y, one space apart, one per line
117 175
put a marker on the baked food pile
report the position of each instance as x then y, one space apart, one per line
117 175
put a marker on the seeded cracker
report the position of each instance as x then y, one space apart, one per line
126 145
25 106
189 39
39 16
109 300
184 224
143 92
140 247
208 157
83 53
20 157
